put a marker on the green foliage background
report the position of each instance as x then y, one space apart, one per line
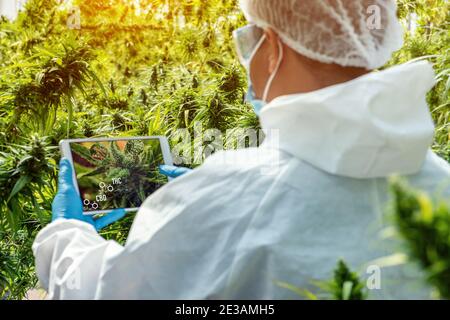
424 224
135 71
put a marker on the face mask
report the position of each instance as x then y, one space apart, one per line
248 40
250 97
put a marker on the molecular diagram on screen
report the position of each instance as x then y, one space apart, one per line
88 205
104 187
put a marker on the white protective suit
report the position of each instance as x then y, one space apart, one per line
286 211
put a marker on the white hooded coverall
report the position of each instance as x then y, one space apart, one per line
313 193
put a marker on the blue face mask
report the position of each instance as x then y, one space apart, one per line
250 97
258 104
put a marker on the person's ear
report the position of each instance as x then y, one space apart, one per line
274 48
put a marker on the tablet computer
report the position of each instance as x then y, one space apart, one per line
112 173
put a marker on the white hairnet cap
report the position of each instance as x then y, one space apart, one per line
357 33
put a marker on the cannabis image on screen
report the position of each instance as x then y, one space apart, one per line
117 174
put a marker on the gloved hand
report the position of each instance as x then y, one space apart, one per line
67 203
172 171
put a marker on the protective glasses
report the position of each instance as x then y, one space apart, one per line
247 40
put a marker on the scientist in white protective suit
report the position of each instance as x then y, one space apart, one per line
313 193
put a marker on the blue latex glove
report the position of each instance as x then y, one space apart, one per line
67 203
172 171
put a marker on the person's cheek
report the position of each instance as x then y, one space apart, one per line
259 71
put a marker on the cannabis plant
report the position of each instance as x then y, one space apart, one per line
424 224
344 285
27 174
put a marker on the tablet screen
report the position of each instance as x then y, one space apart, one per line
117 174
